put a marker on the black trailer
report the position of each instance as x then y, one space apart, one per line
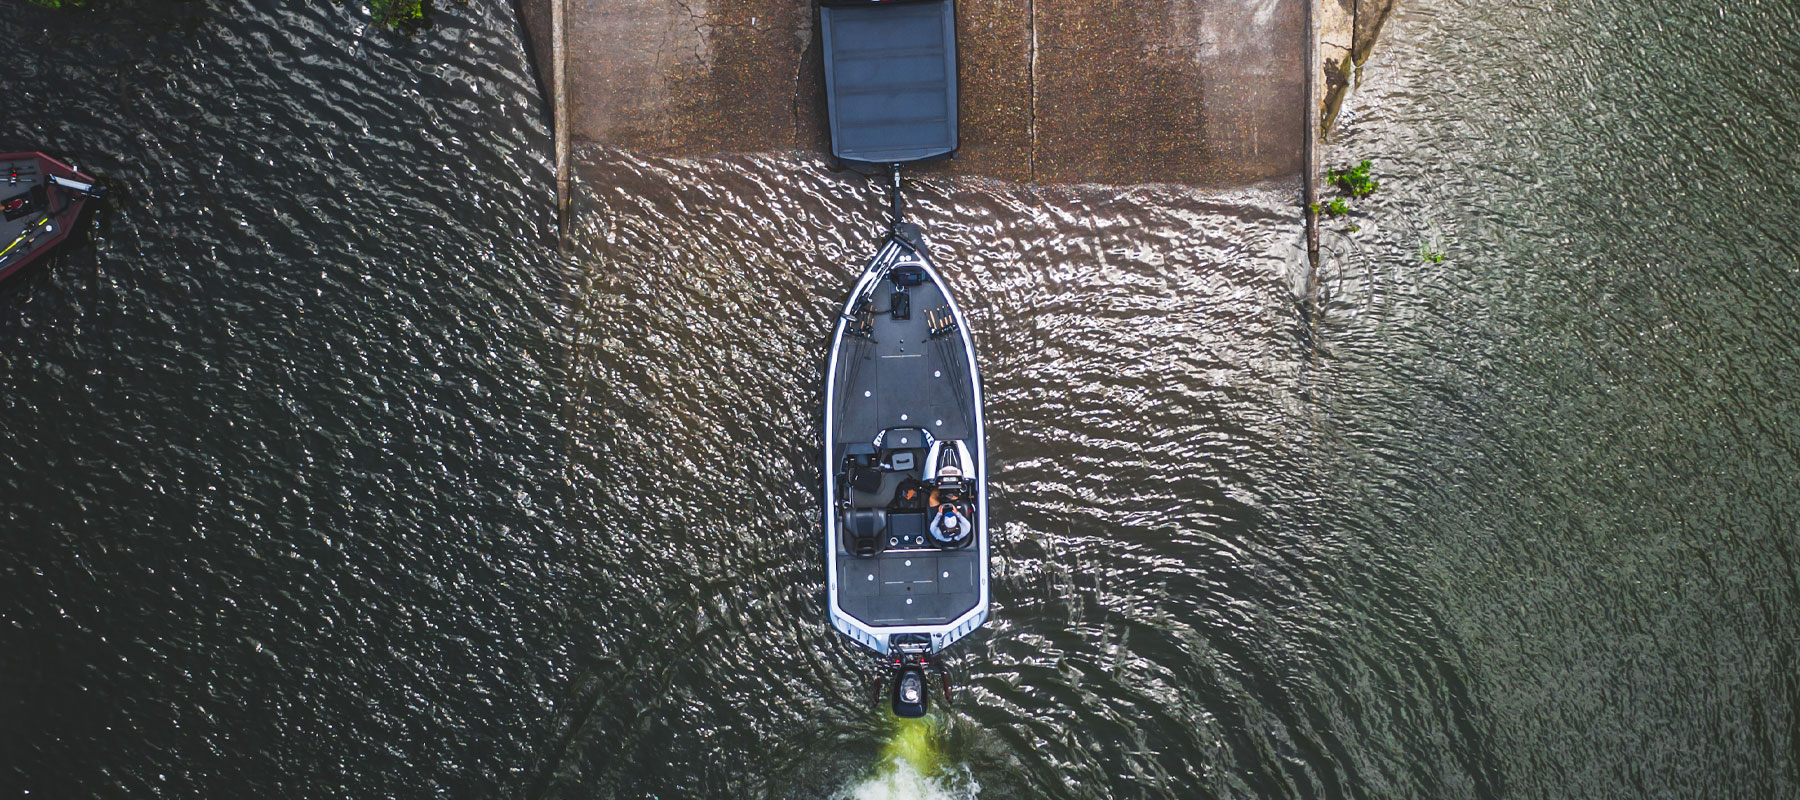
890 80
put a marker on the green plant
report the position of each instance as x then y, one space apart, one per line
1355 180
1337 207
1431 255
399 14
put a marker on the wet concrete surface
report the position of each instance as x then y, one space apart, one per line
1053 91
1348 30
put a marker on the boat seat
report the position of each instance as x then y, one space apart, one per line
865 479
860 470
865 527
900 448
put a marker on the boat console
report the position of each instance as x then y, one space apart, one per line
899 501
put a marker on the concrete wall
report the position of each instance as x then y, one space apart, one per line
1111 91
1348 32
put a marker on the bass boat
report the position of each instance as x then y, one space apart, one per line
906 515
40 199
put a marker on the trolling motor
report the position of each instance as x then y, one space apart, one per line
908 686
896 203
89 190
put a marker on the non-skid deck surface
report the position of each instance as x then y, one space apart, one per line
904 378
908 588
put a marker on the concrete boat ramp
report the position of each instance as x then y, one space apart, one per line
1053 91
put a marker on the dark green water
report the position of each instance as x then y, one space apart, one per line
321 476
1579 429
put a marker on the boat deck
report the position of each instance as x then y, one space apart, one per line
922 587
900 379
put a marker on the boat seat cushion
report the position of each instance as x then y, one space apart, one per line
865 479
866 522
866 528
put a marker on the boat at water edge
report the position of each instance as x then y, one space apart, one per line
905 462
40 200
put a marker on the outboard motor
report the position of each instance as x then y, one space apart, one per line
912 658
910 696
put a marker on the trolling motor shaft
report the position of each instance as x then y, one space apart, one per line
896 202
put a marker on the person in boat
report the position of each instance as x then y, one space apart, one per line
947 486
910 495
950 528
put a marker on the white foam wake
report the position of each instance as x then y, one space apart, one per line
900 780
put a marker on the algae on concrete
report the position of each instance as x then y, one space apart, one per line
398 14
405 16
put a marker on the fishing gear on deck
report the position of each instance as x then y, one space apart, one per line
40 201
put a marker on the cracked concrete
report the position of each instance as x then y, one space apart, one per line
1204 92
1348 30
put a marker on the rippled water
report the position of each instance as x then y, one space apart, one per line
1577 430
279 443
321 475
1140 349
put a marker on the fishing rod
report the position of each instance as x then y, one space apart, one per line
26 236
